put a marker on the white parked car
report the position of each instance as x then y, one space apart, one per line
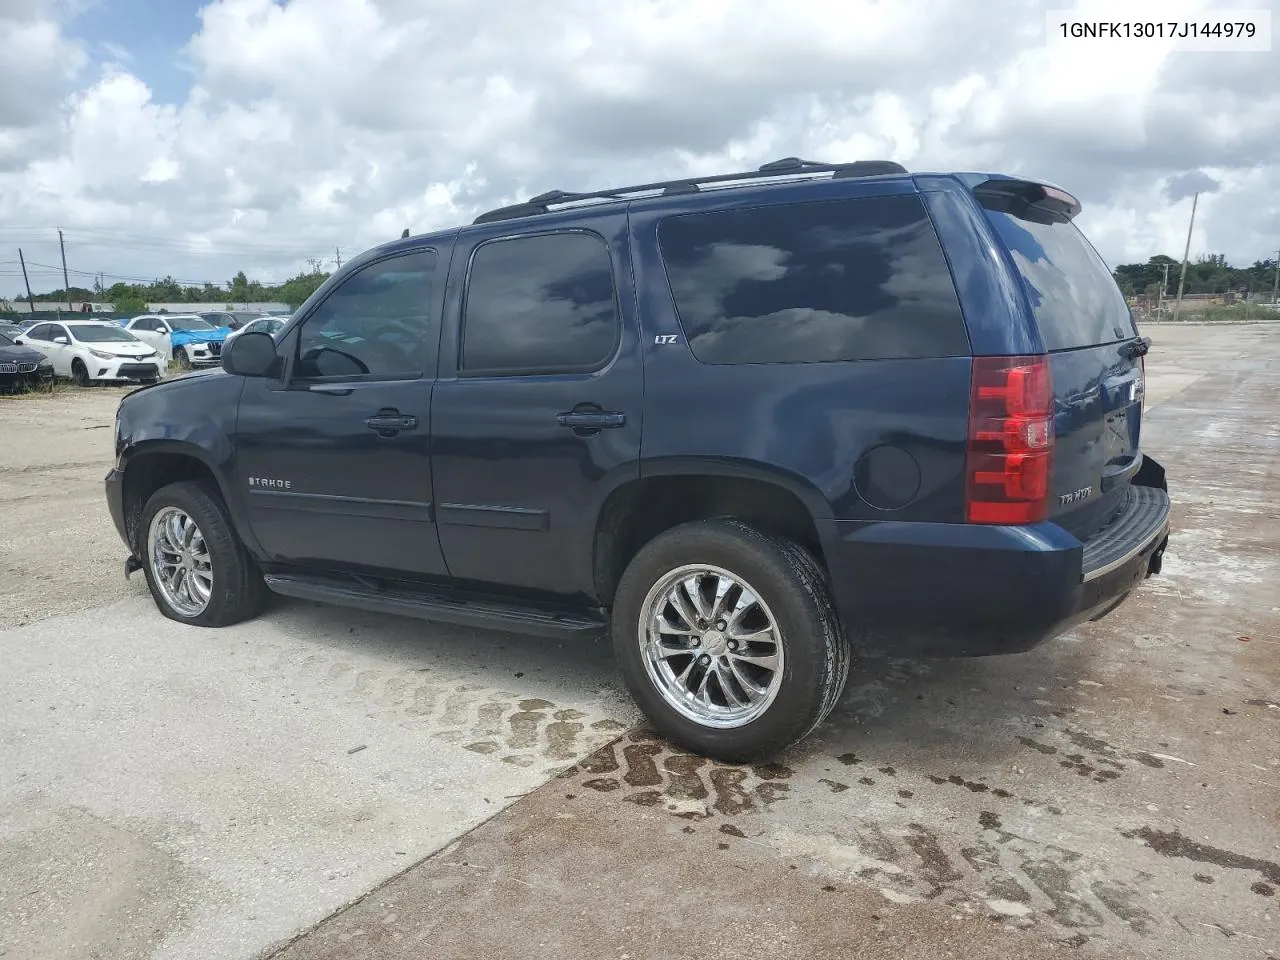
266 324
185 338
93 350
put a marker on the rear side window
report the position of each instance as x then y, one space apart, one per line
540 304
857 279
1072 293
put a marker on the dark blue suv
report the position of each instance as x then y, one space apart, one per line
748 424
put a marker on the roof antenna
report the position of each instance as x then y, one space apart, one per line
405 235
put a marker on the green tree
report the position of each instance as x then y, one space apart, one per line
167 290
295 290
129 303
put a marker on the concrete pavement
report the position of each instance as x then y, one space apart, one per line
168 792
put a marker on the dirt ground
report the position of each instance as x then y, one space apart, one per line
56 553
328 784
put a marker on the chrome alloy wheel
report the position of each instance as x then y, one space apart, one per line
711 646
180 563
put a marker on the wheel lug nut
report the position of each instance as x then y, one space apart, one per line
696 641
720 624
704 659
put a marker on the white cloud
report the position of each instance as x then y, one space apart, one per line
316 124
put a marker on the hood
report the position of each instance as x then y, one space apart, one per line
187 378
123 348
179 337
10 354
179 382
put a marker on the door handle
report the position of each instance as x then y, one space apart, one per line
389 424
592 419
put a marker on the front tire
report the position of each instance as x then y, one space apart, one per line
198 570
182 359
79 373
728 640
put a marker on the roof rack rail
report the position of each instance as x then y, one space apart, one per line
786 167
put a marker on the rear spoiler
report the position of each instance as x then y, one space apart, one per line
1027 200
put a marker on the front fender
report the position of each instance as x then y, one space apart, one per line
187 417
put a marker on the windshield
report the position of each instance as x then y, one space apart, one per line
101 334
265 325
191 323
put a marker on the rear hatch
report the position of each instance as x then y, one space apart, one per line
1095 353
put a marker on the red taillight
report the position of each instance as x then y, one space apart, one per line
1010 440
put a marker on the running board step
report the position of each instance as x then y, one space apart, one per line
481 612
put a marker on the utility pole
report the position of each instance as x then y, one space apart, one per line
1275 286
1164 291
1177 305
337 256
66 281
31 301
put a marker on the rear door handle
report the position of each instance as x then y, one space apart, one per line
388 424
592 420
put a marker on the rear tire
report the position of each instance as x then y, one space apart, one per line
198 570
760 601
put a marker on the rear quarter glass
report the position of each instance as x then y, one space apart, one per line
1072 295
813 282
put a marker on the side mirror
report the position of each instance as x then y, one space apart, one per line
62 340
251 355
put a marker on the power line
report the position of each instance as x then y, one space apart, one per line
189 245
116 276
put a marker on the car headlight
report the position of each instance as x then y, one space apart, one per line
103 355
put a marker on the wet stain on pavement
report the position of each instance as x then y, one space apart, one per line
688 786
1040 747
971 785
1174 844
513 729
937 867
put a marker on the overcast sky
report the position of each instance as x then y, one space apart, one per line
201 138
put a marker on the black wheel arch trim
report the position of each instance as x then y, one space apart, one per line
141 449
814 500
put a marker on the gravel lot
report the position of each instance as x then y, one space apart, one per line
322 783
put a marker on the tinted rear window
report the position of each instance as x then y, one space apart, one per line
857 279
1074 297
540 304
